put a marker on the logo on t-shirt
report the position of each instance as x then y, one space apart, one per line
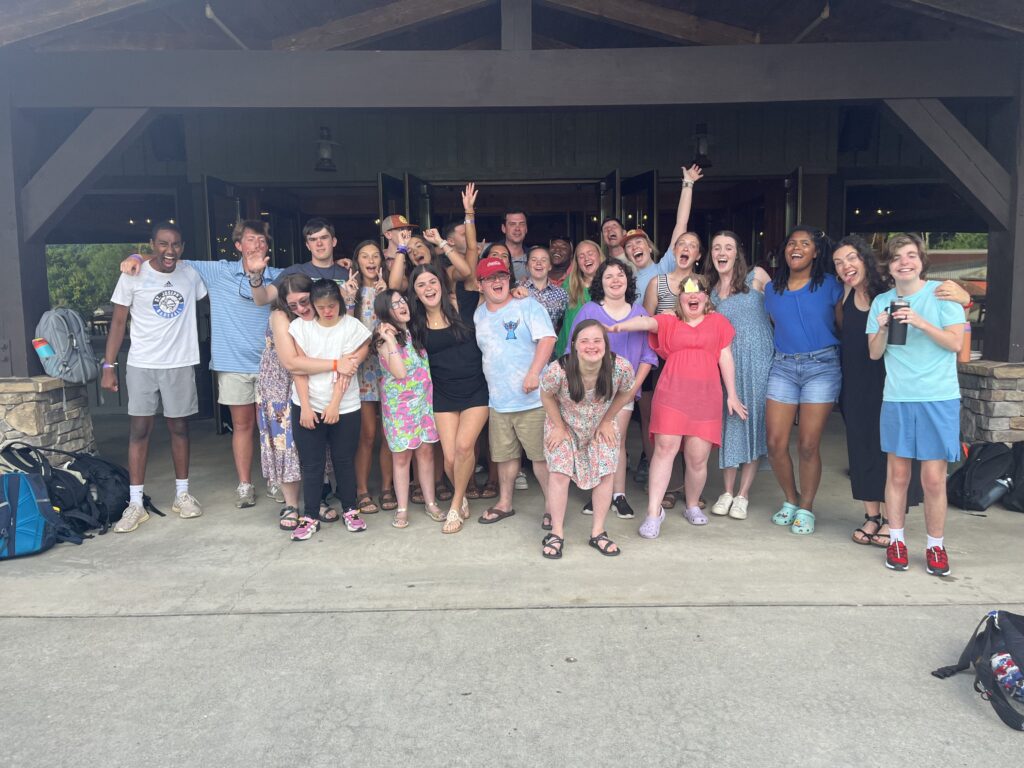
168 304
510 329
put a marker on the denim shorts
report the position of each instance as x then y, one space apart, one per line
805 377
925 431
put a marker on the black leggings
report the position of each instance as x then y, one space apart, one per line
343 437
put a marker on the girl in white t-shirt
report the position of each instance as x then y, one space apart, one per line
326 406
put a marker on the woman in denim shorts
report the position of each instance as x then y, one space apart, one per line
802 301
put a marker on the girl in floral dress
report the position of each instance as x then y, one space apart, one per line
582 393
406 399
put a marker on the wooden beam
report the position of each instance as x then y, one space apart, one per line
29 18
740 74
970 165
659 21
58 184
371 25
516 25
543 42
1006 15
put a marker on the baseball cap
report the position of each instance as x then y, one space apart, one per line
396 221
635 233
492 265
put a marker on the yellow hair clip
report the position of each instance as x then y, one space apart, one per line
691 286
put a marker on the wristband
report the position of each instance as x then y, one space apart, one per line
137 257
108 365
403 249
687 183
469 219
334 366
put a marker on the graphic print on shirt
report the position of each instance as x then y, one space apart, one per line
510 329
168 303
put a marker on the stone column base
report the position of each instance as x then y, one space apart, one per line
46 412
992 404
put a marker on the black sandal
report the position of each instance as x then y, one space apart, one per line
553 542
874 537
545 522
876 520
602 538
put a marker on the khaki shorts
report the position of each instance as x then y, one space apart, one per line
512 433
173 388
236 388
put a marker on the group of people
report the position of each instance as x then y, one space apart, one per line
553 350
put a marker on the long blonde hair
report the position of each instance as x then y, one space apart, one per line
574 285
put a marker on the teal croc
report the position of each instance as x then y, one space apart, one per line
785 515
803 523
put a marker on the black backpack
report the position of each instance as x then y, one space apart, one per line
982 479
1014 498
997 654
90 492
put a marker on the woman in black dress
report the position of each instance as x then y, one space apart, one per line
456 368
863 383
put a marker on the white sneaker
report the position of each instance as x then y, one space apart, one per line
245 495
132 517
186 506
521 484
274 492
738 510
721 507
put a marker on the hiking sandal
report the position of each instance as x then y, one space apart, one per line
366 505
865 539
289 519
876 538
553 542
388 500
604 545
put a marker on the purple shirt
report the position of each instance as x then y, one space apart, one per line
632 345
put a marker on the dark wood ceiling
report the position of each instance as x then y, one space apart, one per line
50 25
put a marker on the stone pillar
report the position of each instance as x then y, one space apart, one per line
46 412
992 404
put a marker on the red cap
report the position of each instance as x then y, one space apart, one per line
492 265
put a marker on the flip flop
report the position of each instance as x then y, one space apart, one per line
499 515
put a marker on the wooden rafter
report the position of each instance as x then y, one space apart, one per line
659 21
30 18
370 25
1007 15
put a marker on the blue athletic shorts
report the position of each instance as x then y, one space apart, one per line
924 431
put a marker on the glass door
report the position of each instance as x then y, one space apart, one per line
639 203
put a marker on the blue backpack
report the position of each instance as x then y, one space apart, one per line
28 522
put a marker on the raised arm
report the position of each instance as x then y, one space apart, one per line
472 246
691 176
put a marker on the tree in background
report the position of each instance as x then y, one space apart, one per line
82 277
957 241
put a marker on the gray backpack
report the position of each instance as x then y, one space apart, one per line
72 359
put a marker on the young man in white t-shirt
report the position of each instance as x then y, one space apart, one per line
161 300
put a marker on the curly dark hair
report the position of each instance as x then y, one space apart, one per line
877 282
821 265
597 287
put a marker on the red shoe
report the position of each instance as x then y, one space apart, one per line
896 556
938 561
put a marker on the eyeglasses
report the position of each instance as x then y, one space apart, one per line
398 303
500 277
295 306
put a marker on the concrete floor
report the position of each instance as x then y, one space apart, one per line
219 641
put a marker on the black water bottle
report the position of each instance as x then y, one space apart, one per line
897 329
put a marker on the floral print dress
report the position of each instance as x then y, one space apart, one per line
278 457
407 405
369 371
581 457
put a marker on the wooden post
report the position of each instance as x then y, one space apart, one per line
516 25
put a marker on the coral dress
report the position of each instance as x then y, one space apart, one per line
688 397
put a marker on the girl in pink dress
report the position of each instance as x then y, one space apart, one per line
687 409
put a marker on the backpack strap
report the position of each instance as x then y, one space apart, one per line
971 651
62 531
986 684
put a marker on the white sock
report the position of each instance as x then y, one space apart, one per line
180 486
135 494
618 496
896 534
935 542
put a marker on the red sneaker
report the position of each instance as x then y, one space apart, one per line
896 556
938 561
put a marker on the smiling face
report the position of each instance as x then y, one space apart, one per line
800 252
693 304
687 251
167 249
850 266
496 288
419 251
399 307
321 245
906 264
299 304
590 345
499 250
612 234
514 228
614 282
539 263
428 290
561 252
638 250
723 253
588 259
369 260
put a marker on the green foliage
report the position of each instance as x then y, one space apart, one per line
82 277
958 241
